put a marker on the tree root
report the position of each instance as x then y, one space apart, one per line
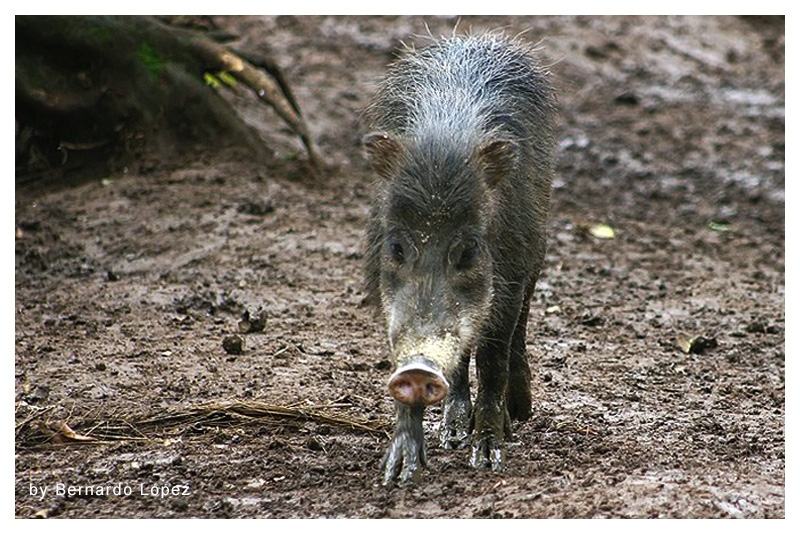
275 92
112 87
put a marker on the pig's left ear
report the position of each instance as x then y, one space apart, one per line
496 160
385 153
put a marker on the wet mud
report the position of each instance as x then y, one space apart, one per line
657 355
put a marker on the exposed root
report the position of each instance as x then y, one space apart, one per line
101 91
274 92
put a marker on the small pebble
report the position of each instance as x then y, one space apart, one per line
233 344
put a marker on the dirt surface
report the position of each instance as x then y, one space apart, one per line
671 133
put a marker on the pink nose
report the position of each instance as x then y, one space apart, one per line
418 383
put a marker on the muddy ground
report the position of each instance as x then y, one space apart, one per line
671 132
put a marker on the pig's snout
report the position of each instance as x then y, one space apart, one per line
418 383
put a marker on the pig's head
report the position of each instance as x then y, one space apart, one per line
435 281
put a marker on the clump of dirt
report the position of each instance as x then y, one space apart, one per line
671 136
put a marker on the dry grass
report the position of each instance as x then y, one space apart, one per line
40 430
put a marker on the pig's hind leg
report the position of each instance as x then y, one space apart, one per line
518 395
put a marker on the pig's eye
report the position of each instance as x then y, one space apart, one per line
397 252
465 254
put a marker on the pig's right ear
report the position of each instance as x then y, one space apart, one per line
384 153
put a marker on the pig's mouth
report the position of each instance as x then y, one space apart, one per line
418 383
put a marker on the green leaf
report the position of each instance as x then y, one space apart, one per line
227 79
720 226
212 80
601 231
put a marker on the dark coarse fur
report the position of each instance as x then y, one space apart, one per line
444 102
